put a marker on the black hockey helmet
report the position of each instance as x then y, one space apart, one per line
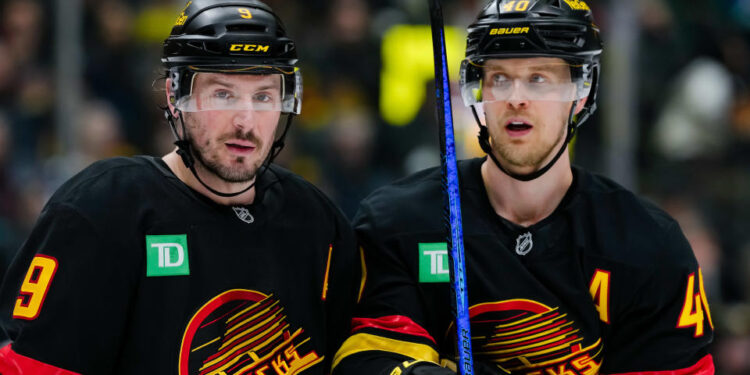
534 28
231 36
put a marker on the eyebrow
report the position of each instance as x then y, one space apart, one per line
221 82
268 87
547 68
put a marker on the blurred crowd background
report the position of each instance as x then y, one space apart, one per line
80 80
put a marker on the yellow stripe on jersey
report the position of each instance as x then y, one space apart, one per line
362 342
364 274
325 278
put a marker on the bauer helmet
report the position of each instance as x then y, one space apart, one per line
534 28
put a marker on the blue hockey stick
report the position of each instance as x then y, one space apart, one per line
450 186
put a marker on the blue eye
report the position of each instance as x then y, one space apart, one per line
262 97
538 78
500 79
224 95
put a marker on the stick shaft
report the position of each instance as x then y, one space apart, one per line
451 187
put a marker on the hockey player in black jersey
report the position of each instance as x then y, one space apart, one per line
566 271
210 260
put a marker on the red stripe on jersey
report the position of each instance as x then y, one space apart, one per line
510 305
703 367
393 323
12 363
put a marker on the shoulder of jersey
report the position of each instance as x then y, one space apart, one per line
414 202
111 183
301 190
627 228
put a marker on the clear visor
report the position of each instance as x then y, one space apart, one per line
524 79
211 91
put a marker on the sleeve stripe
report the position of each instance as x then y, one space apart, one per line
328 268
393 323
703 367
362 342
12 363
363 277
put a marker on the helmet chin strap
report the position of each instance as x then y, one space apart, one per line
185 150
484 143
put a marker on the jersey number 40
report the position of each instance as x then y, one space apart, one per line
695 308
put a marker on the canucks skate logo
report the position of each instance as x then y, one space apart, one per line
528 337
244 214
244 332
524 243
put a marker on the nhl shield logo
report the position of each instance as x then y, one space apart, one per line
524 243
244 214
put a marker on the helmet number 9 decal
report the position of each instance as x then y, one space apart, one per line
516 6
34 288
245 13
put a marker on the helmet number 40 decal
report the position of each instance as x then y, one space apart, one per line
695 308
245 13
35 287
516 6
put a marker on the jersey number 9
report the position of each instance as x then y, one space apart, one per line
35 286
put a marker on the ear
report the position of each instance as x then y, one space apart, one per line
171 98
580 104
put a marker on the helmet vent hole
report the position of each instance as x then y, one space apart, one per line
563 36
247 28
514 15
208 31
195 45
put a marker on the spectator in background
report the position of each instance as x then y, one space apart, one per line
98 136
8 199
349 166
29 107
113 66
23 28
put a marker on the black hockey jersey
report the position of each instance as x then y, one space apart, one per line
129 271
606 284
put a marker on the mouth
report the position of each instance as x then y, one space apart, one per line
240 148
517 128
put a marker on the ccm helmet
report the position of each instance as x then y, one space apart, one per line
229 37
534 28
233 37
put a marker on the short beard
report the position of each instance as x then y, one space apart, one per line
228 173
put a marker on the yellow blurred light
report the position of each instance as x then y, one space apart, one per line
408 66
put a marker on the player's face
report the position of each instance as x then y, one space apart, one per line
233 142
527 125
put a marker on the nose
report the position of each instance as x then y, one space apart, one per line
518 103
518 97
244 119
